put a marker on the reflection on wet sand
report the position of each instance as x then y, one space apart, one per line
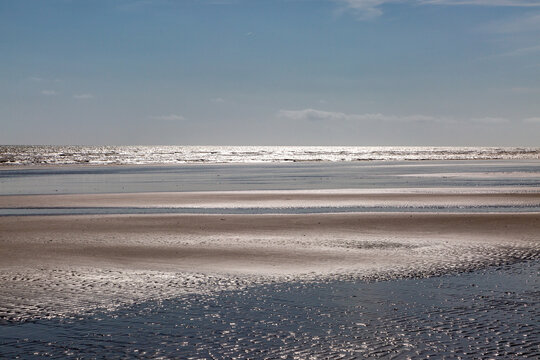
56 265
351 261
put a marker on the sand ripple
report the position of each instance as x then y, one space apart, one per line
63 266
63 291
487 314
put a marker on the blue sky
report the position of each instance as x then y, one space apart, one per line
270 72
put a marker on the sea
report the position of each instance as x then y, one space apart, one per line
148 155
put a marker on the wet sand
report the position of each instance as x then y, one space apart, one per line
60 265
508 196
169 261
268 244
485 314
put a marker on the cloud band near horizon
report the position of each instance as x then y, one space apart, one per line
321 115
368 9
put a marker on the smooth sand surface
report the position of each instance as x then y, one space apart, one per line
481 175
292 198
252 243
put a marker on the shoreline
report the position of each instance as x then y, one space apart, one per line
449 161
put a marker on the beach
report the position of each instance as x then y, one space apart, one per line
78 255
292 179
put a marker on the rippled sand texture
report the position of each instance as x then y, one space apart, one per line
62 265
492 313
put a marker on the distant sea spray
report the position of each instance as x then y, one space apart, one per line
131 155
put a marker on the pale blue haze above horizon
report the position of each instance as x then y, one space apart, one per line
263 72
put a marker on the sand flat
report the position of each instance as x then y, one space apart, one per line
278 243
58 265
283 198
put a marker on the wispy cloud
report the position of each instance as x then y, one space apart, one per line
490 120
83 96
532 120
369 9
134 5
524 90
320 115
218 100
49 92
513 3
519 52
522 24
221 2
170 117
363 9
313 115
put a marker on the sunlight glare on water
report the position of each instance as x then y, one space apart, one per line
139 155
